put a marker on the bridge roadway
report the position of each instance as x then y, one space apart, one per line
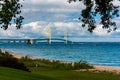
34 40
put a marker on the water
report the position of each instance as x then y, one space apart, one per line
101 53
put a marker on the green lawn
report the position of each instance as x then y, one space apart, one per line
50 74
14 74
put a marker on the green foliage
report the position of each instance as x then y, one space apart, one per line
25 58
9 13
6 54
8 60
55 64
82 65
105 8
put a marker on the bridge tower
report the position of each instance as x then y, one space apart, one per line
65 37
50 39
49 35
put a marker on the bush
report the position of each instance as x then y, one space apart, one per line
82 65
25 58
55 64
7 60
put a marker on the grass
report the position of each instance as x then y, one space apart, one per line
55 64
51 74
14 74
72 75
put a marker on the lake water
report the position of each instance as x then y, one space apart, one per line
100 53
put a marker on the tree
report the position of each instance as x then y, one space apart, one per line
9 13
104 8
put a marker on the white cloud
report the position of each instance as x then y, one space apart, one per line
99 31
75 31
51 6
116 2
50 10
38 29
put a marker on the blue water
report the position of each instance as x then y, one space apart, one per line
100 53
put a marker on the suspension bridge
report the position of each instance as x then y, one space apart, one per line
31 41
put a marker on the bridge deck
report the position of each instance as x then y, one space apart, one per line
44 39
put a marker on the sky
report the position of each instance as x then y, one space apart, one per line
61 17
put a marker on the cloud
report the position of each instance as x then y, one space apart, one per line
116 2
51 6
99 31
38 29
50 10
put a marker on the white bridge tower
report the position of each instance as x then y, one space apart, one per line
48 33
65 37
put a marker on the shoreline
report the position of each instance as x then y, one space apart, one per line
107 68
97 68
